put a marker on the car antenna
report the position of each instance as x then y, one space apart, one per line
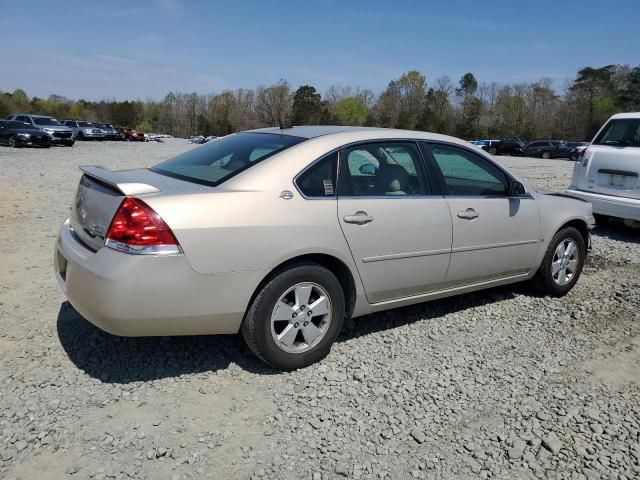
282 125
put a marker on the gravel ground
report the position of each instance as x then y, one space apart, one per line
498 384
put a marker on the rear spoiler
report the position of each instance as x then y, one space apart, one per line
117 180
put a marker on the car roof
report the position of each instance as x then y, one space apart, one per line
627 115
311 131
316 131
31 115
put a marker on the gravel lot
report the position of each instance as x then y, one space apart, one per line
498 384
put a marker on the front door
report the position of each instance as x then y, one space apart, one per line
398 231
494 235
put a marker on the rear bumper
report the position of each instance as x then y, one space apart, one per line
140 295
620 207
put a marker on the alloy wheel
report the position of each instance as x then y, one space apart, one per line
301 317
12 142
564 264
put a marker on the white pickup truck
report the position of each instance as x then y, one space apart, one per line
608 170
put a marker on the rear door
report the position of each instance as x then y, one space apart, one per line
396 223
494 235
611 165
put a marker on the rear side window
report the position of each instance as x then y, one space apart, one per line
215 162
621 132
320 180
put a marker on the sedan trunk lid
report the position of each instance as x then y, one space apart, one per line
101 192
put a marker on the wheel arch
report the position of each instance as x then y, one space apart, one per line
333 264
579 225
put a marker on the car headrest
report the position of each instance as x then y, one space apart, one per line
392 180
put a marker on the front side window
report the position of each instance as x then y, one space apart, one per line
466 173
622 132
320 180
215 162
383 169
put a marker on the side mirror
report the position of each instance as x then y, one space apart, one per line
367 169
516 188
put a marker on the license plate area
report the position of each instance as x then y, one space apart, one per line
616 180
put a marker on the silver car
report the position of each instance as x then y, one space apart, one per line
84 130
283 233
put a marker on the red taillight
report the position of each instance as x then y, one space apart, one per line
137 228
581 155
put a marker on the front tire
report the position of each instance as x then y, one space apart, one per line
562 264
295 317
493 150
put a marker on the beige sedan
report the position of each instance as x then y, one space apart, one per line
283 233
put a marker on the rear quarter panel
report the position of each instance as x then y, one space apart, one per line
555 212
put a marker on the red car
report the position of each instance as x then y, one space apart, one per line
131 135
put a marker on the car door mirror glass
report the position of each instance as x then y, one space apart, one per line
367 169
516 188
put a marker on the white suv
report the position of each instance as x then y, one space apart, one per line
607 172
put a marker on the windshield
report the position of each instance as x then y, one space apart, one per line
623 132
214 162
84 124
45 121
18 125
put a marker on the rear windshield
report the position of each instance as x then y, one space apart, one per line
622 132
45 121
214 162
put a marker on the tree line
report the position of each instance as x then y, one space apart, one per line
466 109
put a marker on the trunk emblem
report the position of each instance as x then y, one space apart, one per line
286 195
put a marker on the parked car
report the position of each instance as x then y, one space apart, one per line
506 146
548 149
607 173
131 135
84 130
578 148
263 232
110 133
197 139
20 134
59 134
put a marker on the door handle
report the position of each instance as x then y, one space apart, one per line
360 218
468 214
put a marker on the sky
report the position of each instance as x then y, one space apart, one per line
146 48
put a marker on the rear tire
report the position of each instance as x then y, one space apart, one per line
12 142
279 307
546 155
562 264
492 150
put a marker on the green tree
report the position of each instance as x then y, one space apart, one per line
307 106
351 111
590 84
629 94
471 106
144 127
